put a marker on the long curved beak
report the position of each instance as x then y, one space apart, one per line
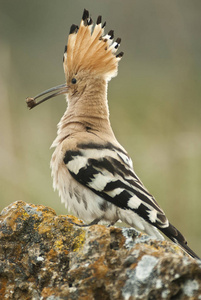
57 90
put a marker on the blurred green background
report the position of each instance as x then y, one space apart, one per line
155 102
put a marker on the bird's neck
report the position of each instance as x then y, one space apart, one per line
88 112
91 106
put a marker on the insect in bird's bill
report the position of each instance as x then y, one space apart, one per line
91 170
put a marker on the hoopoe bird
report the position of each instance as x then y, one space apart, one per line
91 170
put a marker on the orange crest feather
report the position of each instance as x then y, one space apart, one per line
90 50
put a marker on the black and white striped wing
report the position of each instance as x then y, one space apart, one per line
107 171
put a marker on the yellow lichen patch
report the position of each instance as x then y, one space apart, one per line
58 245
47 211
78 241
62 223
46 226
72 237
75 220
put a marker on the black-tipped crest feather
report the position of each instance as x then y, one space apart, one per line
118 40
73 29
85 15
111 33
104 24
120 54
99 19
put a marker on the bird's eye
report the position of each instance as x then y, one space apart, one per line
74 81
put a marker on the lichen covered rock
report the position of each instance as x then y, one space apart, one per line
45 256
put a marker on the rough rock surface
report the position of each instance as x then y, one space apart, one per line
44 256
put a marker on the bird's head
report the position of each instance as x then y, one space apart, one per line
89 57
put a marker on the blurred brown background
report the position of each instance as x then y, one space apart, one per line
155 101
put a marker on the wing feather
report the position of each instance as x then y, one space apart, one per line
108 173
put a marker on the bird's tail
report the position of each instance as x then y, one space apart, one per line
175 235
91 50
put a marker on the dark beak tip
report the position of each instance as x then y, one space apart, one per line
30 102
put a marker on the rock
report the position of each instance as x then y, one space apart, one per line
44 256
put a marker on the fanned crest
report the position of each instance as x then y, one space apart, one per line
91 50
